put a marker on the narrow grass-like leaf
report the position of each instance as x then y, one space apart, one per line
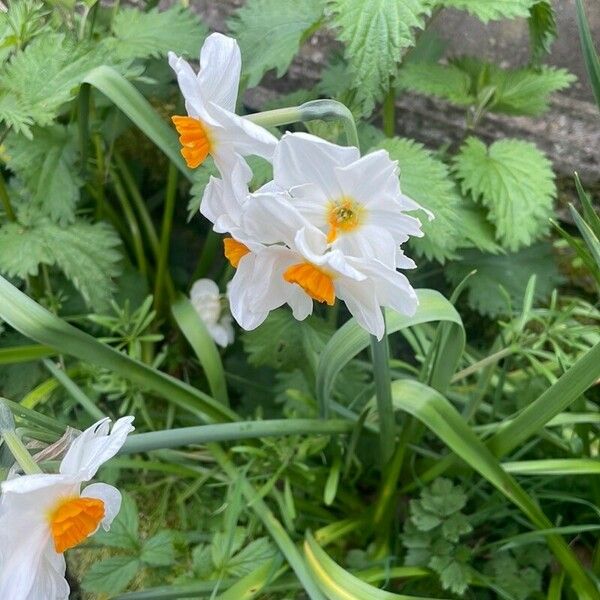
590 56
193 328
33 417
587 234
590 215
20 354
556 466
430 407
37 323
339 584
252 584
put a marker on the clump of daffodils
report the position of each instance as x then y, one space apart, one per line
42 515
329 226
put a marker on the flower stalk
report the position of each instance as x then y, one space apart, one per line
14 443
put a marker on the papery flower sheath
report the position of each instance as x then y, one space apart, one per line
211 125
207 301
356 201
296 266
43 515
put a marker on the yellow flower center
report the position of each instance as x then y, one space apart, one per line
343 215
234 251
196 143
73 520
316 282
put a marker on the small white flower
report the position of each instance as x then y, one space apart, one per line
212 127
296 266
43 515
206 300
355 201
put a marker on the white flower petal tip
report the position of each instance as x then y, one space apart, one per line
208 303
212 127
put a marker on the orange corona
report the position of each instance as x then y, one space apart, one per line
234 251
73 520
343 215
314 281
195 140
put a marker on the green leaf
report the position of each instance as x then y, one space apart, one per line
153 33
454 574
442 81
443 498
375 32
111 576
514 180
46 165
270 33
87 253
590 56
124 531
508 272
158 551
251 556
489 10
422 518
455 526
426 180
542 29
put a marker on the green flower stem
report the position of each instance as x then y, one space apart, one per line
4 197
161 284
389 112
324 110
380 353
212 242
174 438
14 443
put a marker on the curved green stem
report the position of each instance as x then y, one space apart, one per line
4 197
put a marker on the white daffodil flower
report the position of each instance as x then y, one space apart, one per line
206 299
296 266
42 516
355 201
212 127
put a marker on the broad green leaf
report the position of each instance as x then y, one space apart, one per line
489 10
142 34
253 583
375 33
87 253
426 180
124 530
499 285
158 551
542 28
514 181
339 584
442 81
46 166
270 33
111 576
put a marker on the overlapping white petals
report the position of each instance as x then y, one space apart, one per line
30 566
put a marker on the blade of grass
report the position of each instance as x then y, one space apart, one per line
590 56
20 354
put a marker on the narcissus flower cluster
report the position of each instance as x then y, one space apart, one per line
330 225
43 515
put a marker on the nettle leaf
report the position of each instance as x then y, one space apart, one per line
46 166
375 32
270 33
427 181
442 81
142 34
111 576
542 28
514 181
45 75
158 551
87 253
499 285
489 10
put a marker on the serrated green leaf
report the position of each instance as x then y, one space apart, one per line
514 181
142 34
251 556
423 519
490 10
270 33
442 81
509 272
124 530
455 526
426 180
111 575
158 551
87 253
443 498
454 575
542 28
46 165
375 32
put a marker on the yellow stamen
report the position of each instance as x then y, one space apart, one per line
314 281
343 215
73 520
195 140
234 251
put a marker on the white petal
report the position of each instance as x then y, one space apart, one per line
220 334
35 494
302 158
204 287
361 300
311 203
94 447
388 215
240 290
111 497
369 241
188 84
220 67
